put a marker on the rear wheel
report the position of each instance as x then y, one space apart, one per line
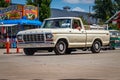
96 47
29 52
60 47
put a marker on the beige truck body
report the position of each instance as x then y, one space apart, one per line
72 38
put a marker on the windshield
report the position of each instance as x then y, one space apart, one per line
57 23
115 33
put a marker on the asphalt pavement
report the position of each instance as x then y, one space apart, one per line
48 66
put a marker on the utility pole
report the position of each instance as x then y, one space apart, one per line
89 15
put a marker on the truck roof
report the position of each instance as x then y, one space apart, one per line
63 18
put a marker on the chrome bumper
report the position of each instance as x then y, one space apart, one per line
35 45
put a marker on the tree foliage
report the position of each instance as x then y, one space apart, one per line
104 9
44 7
83 20
3 3
117 5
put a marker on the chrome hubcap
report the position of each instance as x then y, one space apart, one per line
61 47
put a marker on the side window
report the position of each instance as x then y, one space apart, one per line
76 24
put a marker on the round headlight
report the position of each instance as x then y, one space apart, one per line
49 36
19 37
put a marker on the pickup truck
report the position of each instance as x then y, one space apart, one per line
59 35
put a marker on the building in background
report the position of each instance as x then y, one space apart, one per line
16 18
115 19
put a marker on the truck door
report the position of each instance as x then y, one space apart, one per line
78 34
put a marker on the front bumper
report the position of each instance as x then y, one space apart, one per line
35 45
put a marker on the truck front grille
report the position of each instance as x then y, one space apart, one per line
33 38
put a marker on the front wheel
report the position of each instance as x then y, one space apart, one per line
60 47
28 51
96 47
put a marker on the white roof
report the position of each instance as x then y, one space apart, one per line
63 18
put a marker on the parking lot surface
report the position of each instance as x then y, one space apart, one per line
48 66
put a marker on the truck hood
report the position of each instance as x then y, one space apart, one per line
36 31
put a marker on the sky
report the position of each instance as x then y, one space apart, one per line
75 5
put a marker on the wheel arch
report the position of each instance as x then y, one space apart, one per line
63 39
98 39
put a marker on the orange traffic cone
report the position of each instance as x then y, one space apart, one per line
8 45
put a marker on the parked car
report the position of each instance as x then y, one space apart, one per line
114 39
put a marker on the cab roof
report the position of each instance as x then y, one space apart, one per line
63 18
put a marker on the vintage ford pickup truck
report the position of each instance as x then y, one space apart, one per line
62 36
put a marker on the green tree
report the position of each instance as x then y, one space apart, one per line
44 7
104 9
29 2
117 5
84 21
3 3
